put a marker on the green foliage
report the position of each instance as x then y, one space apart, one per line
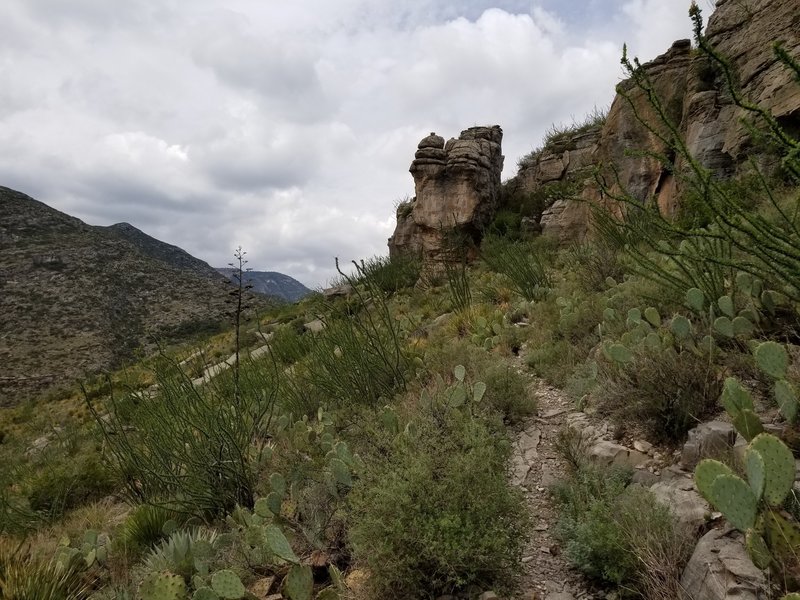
521 263
145 526
184 553
66 484
390 274
227 585
506 392
619 534
420 533
162 586
192 448
22 576
657 374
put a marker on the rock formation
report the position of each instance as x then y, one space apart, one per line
457 185
694 95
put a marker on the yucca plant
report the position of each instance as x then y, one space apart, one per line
24 577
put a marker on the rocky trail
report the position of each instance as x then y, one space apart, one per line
536 465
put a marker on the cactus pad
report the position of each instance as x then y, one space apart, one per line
278 484
757 549
652 316
695 299
724 326
742 327
227 585
756 471
772 358
786 397
705 474
262 508
478 391
279 545
162 586
341 472
734 397
681 327
744 282
779 467
299 583
205 593
620 353
783 536
726 306
733 498
748 424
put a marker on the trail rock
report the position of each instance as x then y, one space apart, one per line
714 439
608 453
721 570
681 497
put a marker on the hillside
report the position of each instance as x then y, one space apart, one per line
76 299
270 283
501 409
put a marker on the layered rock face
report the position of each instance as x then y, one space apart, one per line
457 185
694 96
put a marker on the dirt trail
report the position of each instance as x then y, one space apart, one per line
536 465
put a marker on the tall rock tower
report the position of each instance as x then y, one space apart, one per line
457 185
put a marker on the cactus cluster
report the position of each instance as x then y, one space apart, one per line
753 505
486 332
93 550
162 586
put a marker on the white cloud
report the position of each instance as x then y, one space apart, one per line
287 127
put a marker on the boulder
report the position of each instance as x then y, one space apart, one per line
714 439
681 497
720 569
608 453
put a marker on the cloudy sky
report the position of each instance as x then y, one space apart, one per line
288 126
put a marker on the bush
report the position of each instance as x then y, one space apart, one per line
24 577
194 449
669 391
67 485
506 392
620 535
521 263
391 274
144 527
437 515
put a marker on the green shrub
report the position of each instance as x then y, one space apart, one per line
619 534
522 263
391 274
506 392
195 449
65 485
24 577
668 390
144 527
437 514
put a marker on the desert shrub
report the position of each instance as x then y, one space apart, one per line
436 515
521 263
23 576
668 390
593 263
391 274
65 485
553 360
506 392
144 527
288 345
195 449
619 534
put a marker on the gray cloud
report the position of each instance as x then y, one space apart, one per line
287 127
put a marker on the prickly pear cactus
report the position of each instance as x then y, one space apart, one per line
772 358
205 593
162 586
226 584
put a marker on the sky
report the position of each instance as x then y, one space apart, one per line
287 127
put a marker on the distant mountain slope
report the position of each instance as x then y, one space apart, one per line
271 283
76 299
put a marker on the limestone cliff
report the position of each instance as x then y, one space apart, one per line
457 185
696 100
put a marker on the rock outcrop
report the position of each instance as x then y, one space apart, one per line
693 93
457 185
